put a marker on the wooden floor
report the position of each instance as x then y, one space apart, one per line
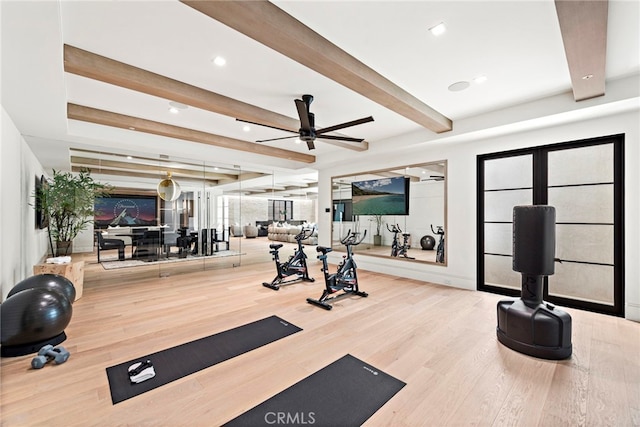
439 340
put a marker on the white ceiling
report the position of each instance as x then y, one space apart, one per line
517 45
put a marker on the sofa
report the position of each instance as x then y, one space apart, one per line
284 232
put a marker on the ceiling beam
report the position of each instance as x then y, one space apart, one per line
271 26
97 67
107 118
159 170
144 175
583 25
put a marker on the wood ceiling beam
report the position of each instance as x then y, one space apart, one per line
107 118
159 170
97 67
271 26
144 175
583 25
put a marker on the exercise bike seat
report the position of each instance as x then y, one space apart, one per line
276 245
323 249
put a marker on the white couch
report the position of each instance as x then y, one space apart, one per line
283 232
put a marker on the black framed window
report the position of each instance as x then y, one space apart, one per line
280 210
584 181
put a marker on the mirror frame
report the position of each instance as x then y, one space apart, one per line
368 248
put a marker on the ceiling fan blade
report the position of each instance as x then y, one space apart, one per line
268 126
303 113
340 138
344 125
276 139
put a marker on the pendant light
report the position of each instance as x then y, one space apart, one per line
168 189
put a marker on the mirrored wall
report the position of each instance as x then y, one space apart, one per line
178 215
400 213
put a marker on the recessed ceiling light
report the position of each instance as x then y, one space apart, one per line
246 128
173 110
480 79
438 29
129 157
219 61
458 86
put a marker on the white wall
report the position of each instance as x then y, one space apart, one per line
21 244
461 176
245 210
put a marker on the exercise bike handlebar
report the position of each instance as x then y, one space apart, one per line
350 239
439 231
395 228
302 235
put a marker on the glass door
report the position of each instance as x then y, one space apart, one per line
583 180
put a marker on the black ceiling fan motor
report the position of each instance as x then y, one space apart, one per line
307 131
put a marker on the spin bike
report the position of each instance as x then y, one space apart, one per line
440 249
295 266
397 249
345 279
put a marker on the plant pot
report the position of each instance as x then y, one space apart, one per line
64 248
377 240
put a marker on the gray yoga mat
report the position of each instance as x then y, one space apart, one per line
345 393
185 359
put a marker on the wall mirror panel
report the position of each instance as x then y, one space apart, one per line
403 211
209 215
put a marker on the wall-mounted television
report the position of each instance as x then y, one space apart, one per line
385 196
125 210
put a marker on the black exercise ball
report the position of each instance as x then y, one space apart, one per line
33 315
52 282
428 243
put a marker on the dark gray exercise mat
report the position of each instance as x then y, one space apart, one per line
345 393
185 359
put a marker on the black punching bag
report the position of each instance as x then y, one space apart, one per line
534 248
529 325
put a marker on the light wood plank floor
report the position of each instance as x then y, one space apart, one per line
439 340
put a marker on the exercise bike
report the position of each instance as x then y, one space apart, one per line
440 249
295 266
345 279
397 249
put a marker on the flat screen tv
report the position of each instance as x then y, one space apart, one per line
126 210
385 196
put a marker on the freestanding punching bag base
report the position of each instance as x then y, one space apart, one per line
541 331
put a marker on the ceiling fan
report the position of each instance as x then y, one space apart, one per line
434 178
308 132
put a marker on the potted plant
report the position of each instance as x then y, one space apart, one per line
377 238
66 202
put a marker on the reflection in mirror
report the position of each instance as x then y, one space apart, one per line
220 219
402 210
